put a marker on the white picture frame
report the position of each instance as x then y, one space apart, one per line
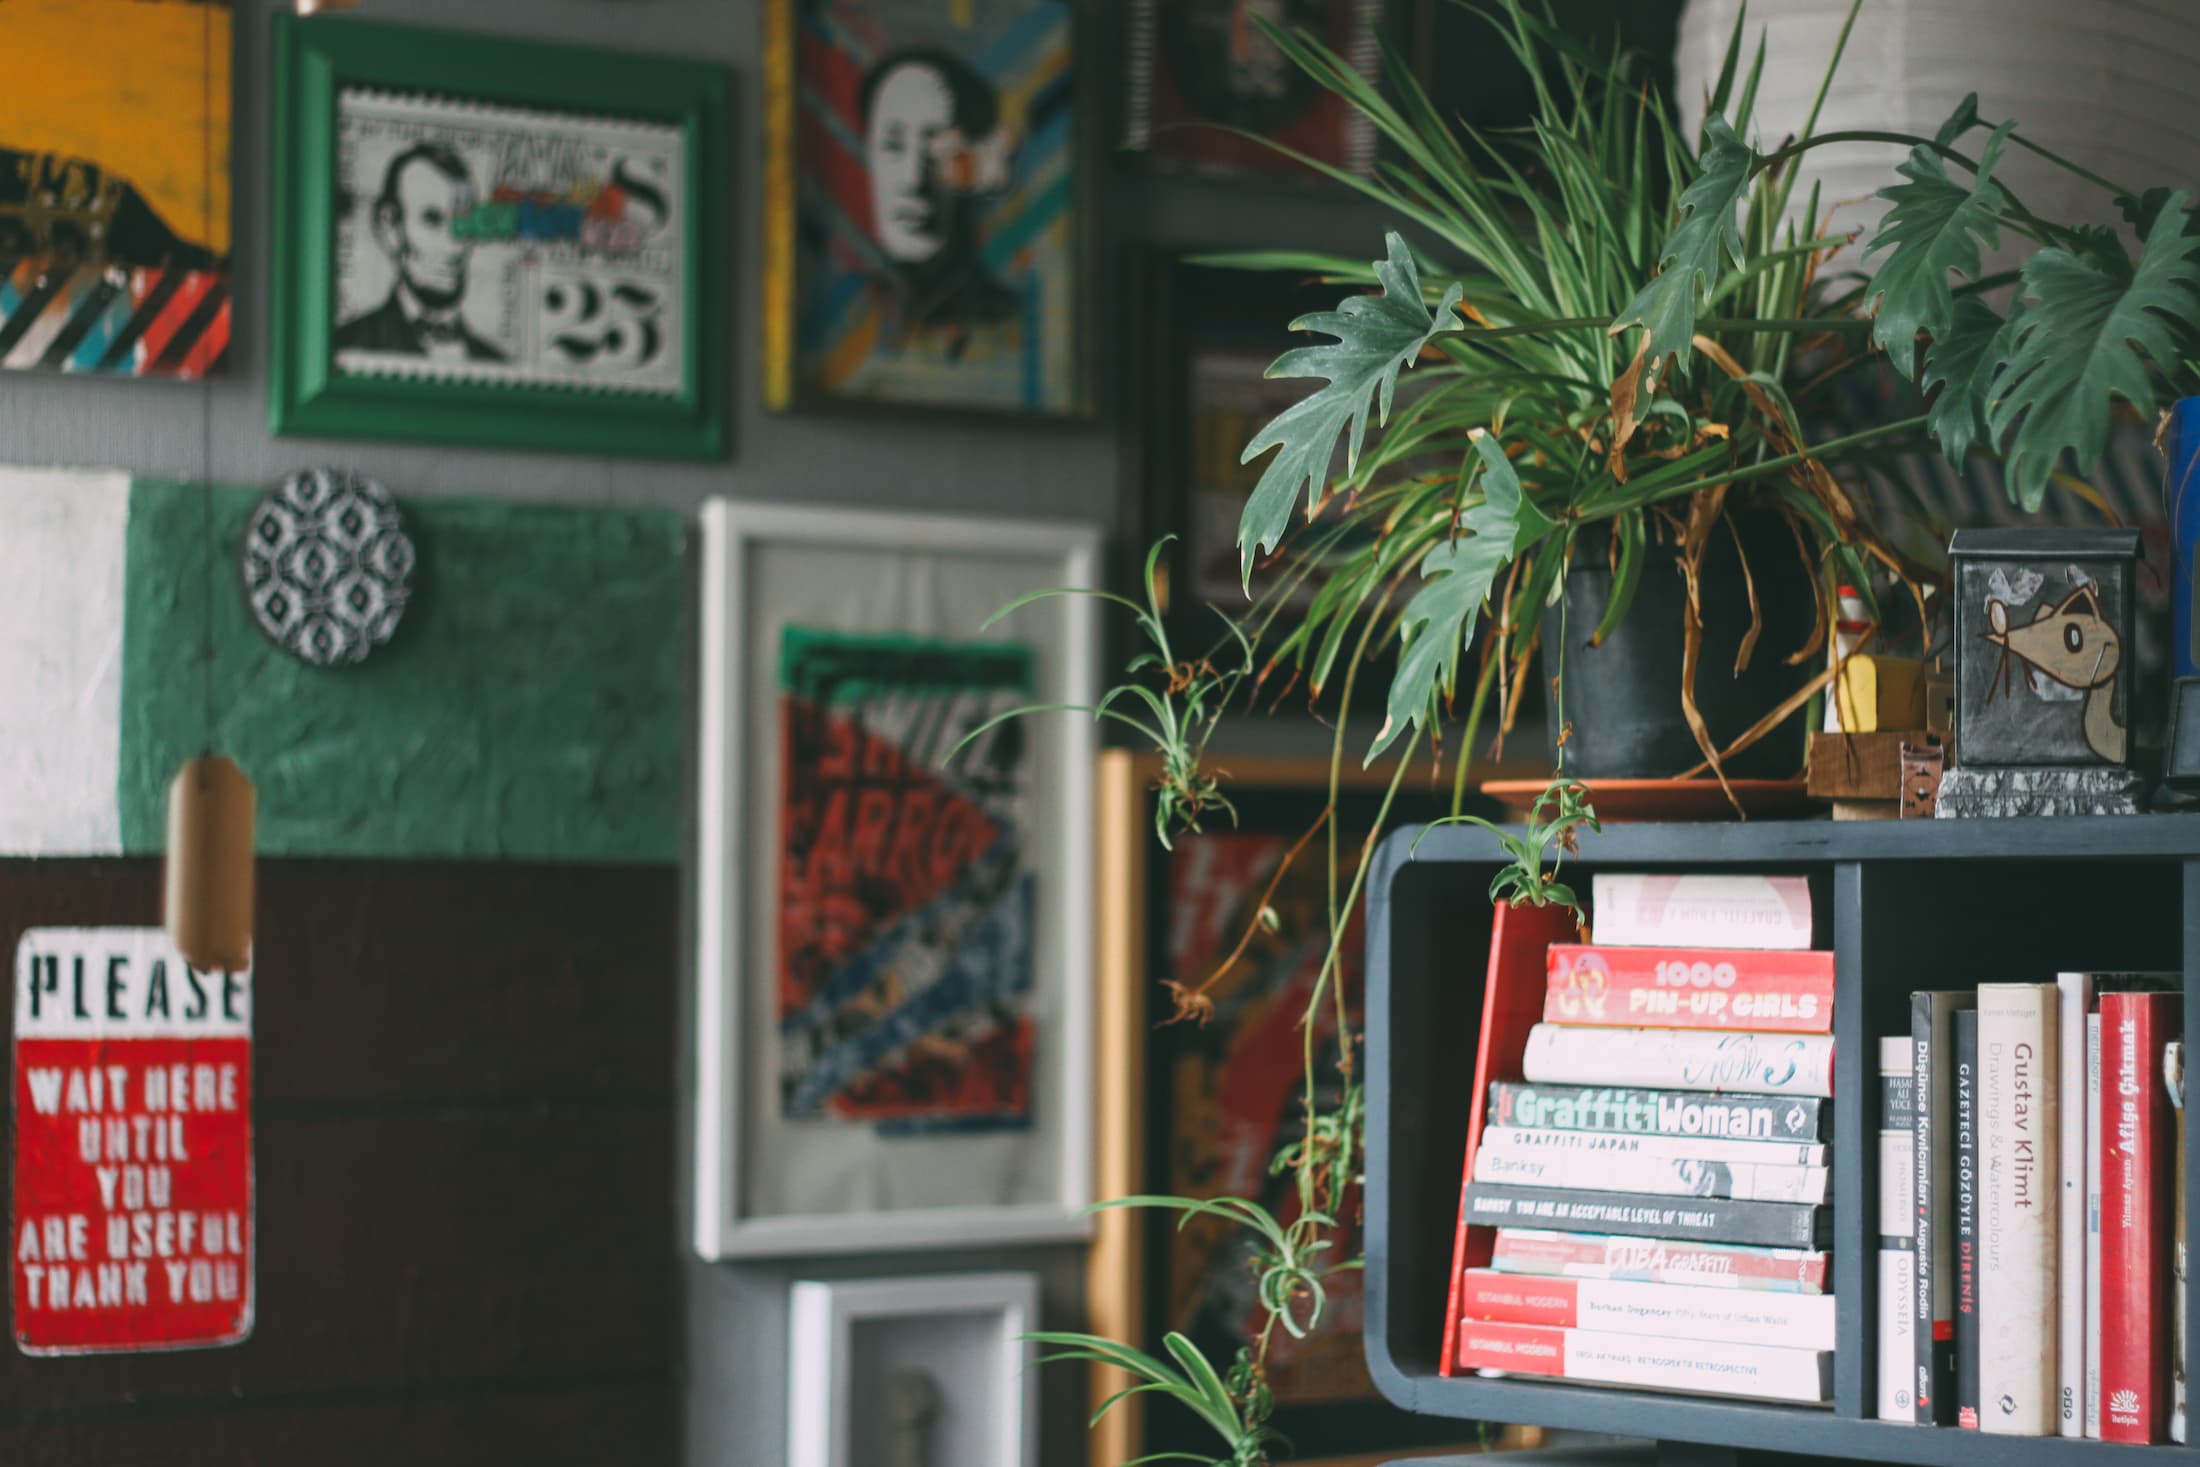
991 1365
770 1187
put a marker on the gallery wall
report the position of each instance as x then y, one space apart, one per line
451 1052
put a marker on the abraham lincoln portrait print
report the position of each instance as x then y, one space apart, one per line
905 891
924 225
507 245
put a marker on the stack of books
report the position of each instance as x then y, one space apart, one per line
1658 1175
2040 1178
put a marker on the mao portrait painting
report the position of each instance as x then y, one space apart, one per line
924 219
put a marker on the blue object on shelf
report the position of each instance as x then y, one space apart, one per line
2183 498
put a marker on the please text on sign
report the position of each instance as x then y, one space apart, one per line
131 1226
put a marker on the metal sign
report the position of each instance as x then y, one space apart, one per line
131 1226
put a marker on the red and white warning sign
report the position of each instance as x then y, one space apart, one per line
132 1220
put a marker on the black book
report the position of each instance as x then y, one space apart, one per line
1932 1317
1966 1229
1693 1219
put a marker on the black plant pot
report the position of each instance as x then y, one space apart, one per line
1623 698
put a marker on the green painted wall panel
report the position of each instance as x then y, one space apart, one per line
529 705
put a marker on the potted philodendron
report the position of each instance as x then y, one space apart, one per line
1616 336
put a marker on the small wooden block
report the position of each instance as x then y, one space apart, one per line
1867 809
1860 766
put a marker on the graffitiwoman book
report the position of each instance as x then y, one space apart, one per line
2018 1131
2074 1000
1932 1314
1690 988
1681 1059
1738 1316
1965 1030
1756 912
1695 1219
2137 1131
1659 1112
1658 1261
1605 1358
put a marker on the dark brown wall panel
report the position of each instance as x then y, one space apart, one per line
465 1175
611 1427
425 981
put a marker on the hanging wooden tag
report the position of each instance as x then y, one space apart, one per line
208 897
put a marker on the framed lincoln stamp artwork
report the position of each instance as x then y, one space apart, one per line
496 242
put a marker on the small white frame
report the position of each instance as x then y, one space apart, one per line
821 1328
734 534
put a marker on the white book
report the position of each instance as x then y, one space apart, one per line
1897 1232
1897 1331
1679 1148
2074 998
1764 1372
1656 1176
2018 1133
1678 1311
2092 1413
1763 913
1680 1059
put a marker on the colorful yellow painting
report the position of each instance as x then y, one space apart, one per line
114 186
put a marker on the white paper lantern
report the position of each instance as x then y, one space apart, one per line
2106 83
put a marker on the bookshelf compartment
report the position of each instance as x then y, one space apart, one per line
1903 906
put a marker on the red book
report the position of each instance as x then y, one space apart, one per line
2138 1134
1689 988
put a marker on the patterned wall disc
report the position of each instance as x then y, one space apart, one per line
327 566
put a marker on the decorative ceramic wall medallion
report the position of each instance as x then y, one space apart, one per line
327 566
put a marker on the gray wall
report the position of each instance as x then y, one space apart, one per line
736 1325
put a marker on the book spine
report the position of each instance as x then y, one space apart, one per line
1655 1175
1932 1155
1668 1148
1897 1229
1601 1357
1681 1059
2173 1077
2093 1226
1636 1112
1694 1219
1735 1316
2073 999
1755 912
1690 988
2018 1131
1658 1261
2136 1129
1965 1033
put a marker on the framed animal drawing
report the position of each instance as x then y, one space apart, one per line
498 242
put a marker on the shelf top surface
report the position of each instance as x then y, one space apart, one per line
2017 838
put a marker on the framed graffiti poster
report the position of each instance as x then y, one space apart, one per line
894 924
114 187
496 242
927 235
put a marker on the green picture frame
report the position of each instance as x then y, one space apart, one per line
682 416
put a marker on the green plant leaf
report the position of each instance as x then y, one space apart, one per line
1961 364
1935 226
1959 122
1456 577
2086 336
1377 335
1704 239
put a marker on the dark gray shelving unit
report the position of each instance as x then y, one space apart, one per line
1903 906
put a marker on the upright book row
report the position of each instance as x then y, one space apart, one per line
1646 1192
2030 1158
